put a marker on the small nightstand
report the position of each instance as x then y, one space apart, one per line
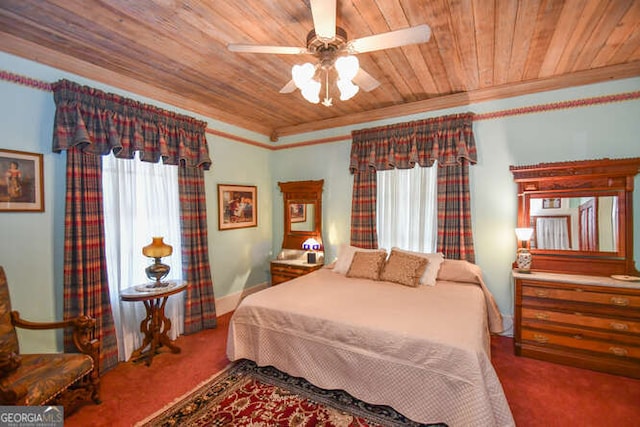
283 270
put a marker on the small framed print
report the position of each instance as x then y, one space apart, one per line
237 206
553 203
21 181
298 212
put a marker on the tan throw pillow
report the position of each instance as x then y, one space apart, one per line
431 272
404 268
367 265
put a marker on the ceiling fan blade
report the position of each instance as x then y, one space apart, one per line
324 19
280 50
289 87
365 81
406 36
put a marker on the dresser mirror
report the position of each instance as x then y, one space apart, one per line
588 223
302 212
581 214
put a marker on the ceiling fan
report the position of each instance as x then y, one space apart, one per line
332 49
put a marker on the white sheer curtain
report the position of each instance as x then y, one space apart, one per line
141 200
407 209
552 233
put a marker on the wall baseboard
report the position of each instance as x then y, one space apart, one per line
507 325
229 303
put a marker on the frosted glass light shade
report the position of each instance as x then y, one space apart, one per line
302 74
524 234
311 91
347 67
347 89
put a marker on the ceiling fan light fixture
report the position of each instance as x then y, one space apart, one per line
347 89
302 74
347 67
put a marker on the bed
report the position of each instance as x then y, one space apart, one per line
423 350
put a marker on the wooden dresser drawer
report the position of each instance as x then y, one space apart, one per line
581 320
580 342
282 272
581 294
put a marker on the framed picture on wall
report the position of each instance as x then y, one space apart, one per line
553 203
237 206
298 212
21 181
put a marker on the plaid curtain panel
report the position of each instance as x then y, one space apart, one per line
86 290
200 310
90 123
447 139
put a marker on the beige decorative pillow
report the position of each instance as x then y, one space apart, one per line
367 265
345 257
431 272
403 268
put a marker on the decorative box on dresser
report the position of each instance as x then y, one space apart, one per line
586 321
283 270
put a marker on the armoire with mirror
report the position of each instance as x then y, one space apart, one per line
580 304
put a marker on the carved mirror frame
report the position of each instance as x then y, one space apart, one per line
588 178
307 193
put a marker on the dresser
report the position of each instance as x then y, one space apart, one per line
590 322
283 270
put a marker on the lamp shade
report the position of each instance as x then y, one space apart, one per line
524 234
157 248
311 244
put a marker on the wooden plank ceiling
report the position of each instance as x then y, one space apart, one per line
175 52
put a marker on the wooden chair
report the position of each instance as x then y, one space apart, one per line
67 379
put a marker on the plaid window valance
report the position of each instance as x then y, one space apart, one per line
447 139
98 123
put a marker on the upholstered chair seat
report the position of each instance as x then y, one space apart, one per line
67 379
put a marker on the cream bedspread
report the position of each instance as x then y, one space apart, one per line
424 351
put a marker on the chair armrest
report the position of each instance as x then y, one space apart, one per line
82 328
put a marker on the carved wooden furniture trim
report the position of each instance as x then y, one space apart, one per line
585 321
283 270
66 379
155 326
603 177
304 192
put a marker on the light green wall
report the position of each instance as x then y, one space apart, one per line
31 249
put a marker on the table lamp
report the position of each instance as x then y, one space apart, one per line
523 256
311 245
157 271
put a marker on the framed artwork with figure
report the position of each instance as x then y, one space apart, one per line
21 181
237 206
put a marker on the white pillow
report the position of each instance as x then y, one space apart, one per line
431 272
345 257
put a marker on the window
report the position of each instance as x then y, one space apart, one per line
140 201
406 209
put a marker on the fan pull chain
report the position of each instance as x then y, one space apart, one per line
327 102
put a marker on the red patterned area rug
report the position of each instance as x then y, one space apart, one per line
247 395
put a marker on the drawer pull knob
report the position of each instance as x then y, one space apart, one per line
618 351
541 339
542 316
619 326
541 293
620 301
